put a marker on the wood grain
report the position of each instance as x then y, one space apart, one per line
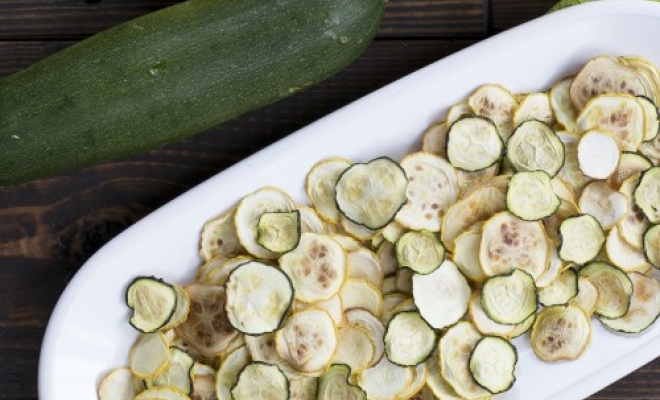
505 14
39 19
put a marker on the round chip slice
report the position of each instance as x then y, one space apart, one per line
162 393
652 245
598 154
385 380
474 144
366 321
651 122
354 348
262 348
466 255
435 139
587 296
359 232
607 205
207 328
371 194
304 388
629 164
258 298
644 306
508 242
279 232
320 187
623 255
613 285
432 188
561 290
493 364
149 355
152 301
633 225
458 111
317 267
534 146
442 296
647 194
364 264
219 237
227 374
534 106
422 252
531 196
496 103
560 333
620 114
248 212
455 348
409 339
582 238
510 298
178 372
604 74
308 341
334 384
359 293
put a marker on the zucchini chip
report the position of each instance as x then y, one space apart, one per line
604 74
442 296
207 328
227 374
334 385
651 149
455 348
385 380
333 306
531 197
510 298
647 72
279 232
561 290
409 339
219 237
534 146
560 333
149 355
651 120
534 106
623 255
496 103
387 256
364 264
598 154
562 106
570 173
417 381
605 204
162 393
582 238
435 138
248 212
480 204
359 232
652 245
258 298
474 144
432 188
647 194
307 341
422 252
629 164
152 302
466 255
203 384
317 268
346 242
320 187
117 385
633 225
177 373
371 194
458 111
644 306
508 243
551 224
465 178
363 319
404 280
393 231
391 304
493 364
437 384
614 288
620 114
487 326
261 381
587 296
208 266
359 293
555 267
354 348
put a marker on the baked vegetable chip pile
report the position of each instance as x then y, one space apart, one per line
531 213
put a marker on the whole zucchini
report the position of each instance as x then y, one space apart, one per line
170 74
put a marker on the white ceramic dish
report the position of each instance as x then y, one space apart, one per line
88 332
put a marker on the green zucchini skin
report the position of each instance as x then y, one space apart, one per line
171 74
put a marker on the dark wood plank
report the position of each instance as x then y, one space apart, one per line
77 18
505 14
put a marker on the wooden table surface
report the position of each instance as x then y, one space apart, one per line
49 228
